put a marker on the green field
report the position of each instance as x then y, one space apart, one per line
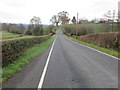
98 27
8 35
88 28
105 28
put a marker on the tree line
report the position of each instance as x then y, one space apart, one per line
63 18
34 28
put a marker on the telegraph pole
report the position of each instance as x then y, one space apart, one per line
118 16
76 25
77 18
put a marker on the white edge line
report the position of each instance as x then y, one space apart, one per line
101 52
96 50
45 68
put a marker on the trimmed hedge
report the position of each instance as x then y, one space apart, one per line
13 48
110 40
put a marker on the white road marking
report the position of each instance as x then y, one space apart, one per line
101 52
45 68
96 50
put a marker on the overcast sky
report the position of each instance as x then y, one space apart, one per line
21 11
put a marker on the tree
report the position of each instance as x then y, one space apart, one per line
54 20
35 21
12 28
21 29
63 17
29 30
4 26
74 20
110 15
35 28
38 30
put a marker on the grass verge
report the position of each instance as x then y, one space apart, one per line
28 55
108 51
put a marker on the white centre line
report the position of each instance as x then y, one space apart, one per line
45 68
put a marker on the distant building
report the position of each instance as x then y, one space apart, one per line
119 10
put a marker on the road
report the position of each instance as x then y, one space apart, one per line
71 65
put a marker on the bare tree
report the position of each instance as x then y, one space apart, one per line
63 17
35 28
110 15
35 21
54 20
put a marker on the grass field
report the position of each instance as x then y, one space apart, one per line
105 27
11 69
8 35
87 28
98 28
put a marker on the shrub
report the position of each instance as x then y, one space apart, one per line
28 32
13 48
110 40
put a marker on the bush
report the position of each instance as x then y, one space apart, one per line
11 49
28 32
110 40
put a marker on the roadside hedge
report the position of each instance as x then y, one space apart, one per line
13 48
109 40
